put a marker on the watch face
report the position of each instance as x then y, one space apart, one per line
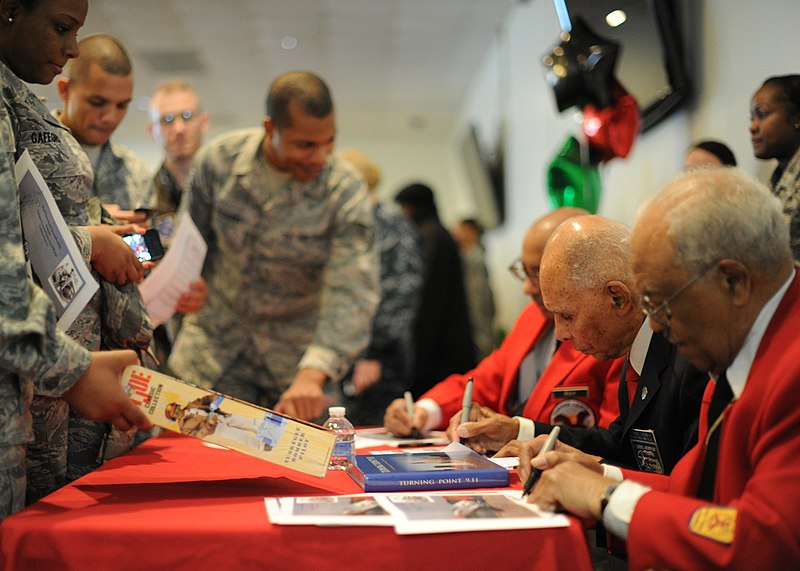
604 499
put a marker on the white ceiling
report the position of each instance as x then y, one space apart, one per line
394 66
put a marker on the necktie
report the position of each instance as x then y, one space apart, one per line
631 380
723 395
628 381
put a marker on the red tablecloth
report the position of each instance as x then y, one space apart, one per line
175 503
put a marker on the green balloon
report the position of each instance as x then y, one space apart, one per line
570 182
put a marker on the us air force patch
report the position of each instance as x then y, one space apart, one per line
715 523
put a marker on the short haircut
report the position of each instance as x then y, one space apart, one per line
172 86
303 87
719 150
596 257
789 85
102 49
175 84
29 5
716 214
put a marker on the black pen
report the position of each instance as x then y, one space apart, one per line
410 411
466 404
549 444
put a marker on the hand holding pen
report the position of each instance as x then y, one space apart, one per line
536 473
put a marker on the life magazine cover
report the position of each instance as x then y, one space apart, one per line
213 417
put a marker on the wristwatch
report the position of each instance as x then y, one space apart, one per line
606 497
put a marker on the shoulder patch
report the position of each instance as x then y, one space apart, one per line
715 523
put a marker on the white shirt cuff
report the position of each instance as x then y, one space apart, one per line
527 429
619 511
613 472
434 413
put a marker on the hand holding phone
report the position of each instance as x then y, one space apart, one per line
147 246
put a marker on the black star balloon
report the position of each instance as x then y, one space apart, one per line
581 68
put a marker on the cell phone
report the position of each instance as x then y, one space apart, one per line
147 246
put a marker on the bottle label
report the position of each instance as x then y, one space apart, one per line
343 449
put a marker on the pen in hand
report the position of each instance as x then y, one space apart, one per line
410 411
549 444
466 404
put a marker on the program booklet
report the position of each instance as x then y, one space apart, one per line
455 467
219 419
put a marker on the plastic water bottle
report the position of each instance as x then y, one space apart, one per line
344 449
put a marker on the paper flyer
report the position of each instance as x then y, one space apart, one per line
50 247
179 267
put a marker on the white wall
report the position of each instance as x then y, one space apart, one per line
733 46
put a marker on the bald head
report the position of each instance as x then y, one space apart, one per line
533 248
542 228
591 250
587 283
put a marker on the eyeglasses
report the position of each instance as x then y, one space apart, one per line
661 313
520 271
169 118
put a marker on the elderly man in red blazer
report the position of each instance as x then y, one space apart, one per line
711 256
559 384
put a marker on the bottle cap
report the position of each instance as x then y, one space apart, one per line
336 411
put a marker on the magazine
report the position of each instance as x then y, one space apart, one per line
451 512
415 513
455 467
357 509
219 419
51 250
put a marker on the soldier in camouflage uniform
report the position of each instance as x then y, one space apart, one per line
775 134
33 353
95 91
115 317
291 268
178 124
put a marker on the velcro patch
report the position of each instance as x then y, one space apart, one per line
716 523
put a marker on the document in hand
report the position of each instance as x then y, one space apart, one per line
52 252
213 417
455 467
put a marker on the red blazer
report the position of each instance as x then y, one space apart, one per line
495 379
758 473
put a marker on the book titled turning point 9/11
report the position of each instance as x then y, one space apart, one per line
456 467
216 418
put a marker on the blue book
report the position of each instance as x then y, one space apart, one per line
457 469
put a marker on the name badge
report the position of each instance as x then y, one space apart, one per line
645 450
559 393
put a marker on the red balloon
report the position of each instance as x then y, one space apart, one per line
612 130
